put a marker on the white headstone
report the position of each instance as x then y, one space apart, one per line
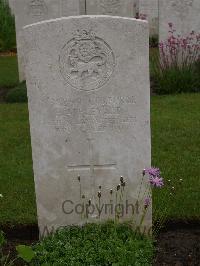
30 11
149 8
89 107
124 8
184 14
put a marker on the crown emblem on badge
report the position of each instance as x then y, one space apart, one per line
84 35
36 3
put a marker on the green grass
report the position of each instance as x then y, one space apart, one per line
153 52
175 149
16 175
8 71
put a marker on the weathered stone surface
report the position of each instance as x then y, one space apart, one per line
184 14
89 107
30 11
150 9
124 8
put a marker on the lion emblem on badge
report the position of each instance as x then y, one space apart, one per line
86 61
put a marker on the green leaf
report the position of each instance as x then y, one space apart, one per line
2 239
25 252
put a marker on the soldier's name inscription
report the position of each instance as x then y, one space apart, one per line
92 114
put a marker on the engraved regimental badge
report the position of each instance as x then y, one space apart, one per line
110 6
37 8
86 61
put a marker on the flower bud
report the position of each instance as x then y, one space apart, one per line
124 184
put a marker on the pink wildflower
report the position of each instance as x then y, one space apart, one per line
156 181
153 171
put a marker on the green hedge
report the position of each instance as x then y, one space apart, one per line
173 81
7 27
18 94
93 244
175 66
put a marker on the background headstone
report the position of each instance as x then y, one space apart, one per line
89 108
124 8
10 3
30 11
136 7
184 14
150 9
72 7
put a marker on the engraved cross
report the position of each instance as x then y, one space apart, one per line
92 166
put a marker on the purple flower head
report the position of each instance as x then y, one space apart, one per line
147 202
152 172
156 181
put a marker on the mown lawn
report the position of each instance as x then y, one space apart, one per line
175 121
8 71
175 149
16 175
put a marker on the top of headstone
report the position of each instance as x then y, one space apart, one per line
86 17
